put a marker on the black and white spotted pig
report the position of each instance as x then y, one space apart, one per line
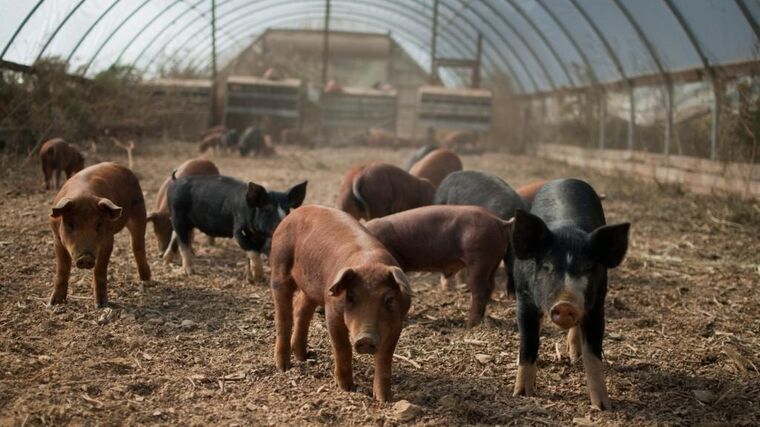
563 249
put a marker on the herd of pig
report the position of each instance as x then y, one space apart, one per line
352 260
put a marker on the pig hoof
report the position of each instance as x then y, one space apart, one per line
602 404
575 358
55 300
283 364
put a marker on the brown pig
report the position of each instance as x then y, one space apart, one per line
334 262
446 239
160 217
90 209
436 165
528 191
56 156
378 189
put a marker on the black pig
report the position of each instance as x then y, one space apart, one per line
563 250
252 140
230 139
487 191
221 206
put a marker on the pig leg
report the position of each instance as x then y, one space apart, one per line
170 249
254 271
100 273
593 333
574 344
448 282
481 283
341 347
529 324
381 385
182 231
136 226
62 273
282 293
57 175
47 172
304 310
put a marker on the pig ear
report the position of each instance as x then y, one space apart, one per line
342 280
113 211
529 234
255 195
62 206
609 243
297 194
401 280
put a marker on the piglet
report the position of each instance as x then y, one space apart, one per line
334 262
419 154
56 157
437 165
564 249
90 209
221 206
378 189
160 217
445 239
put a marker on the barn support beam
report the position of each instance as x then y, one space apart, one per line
669 116
476 65
326 43
716 107
433 45
602 120
631 117
214 105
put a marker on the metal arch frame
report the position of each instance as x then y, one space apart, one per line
543 38
145 27
748 16
501 36
110 36
379 5
708 68
503 58
658 63
365 19
163 30
592 72
520 37
618 65
193 36
368 3
89 30
57 29
20 27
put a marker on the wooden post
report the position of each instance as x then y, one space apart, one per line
326 43
476 68
669 116
433 43
214 111
631 116
715 131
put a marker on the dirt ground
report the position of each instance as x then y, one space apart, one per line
682 344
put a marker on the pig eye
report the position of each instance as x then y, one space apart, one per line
390 302
68 223
350 299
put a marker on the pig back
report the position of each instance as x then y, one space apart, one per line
479 189
107 180
569 201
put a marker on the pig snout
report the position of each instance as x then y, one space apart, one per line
85 260
366 343
565 315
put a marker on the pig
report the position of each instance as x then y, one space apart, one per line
230 139
160 217
381 138
461 139
56 156
378 189
419 154
210 142
295 137
254 140
333 262
221 206
214 130
90 209
485 190
437 165
563 249
446 239
528 191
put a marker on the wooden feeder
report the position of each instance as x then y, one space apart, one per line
359 109
257 101
454 108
